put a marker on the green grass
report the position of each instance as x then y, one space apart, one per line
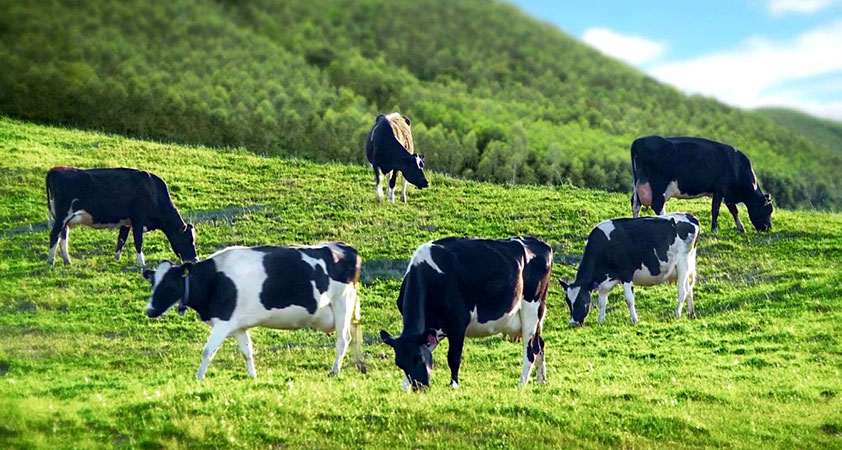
81 365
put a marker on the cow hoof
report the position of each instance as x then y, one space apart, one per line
362 367
333 373
454 384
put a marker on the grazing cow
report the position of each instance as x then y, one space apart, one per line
276 287
685 167
644 251
458 287
110 198
390 149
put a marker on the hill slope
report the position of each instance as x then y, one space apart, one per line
81 366
822 132
495 94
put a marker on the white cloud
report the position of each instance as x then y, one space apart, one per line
757 72
631 49
781 7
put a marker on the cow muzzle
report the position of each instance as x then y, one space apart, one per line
152 312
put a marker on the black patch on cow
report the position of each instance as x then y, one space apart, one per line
290 279
685 230
212 294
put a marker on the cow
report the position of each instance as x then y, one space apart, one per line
278 287
464 287
389 148
644 251
687 167
109 198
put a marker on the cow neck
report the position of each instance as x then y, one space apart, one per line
195 288
586 275
414 302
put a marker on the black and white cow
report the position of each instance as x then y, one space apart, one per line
644 251
460 287
686 167
387 154
276 287
110 198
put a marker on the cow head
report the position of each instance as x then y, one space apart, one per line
578 301
759 208
412 168
413 355
183 243
167 286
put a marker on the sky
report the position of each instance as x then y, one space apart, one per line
747 53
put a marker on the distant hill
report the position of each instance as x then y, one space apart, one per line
822 132
493 93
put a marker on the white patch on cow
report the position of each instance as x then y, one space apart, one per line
141 259
423 256
418 162
673 191
160 271
607 227
508 324
573 294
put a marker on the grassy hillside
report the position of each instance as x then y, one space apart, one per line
822 132
494 94
81 365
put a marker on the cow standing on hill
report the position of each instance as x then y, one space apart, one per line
276 287
643 251
685 167
389 148
460 287
109 198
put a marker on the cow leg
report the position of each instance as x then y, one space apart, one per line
403 192
137 234
683 285
529 329
714 212
454 356
343 312
63 241
218 334
659 202
603 304
540 366
392 181
691 282
378 188
736 214
244 340
121 241
628 290
357 335
55 235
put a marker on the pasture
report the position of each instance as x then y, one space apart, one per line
82 366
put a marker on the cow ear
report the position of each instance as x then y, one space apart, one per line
563 284
408 122
149 275
387 338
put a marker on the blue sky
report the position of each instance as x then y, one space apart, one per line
747 53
